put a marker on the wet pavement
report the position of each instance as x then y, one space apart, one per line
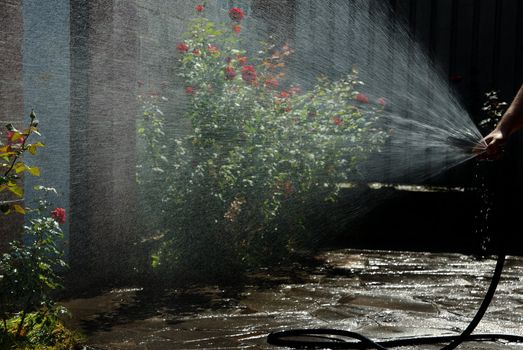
378 293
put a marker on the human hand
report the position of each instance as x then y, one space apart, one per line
491 146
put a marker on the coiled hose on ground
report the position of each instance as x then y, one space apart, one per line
323 338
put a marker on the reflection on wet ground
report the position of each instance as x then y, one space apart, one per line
380 294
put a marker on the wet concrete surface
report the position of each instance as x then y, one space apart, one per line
381 294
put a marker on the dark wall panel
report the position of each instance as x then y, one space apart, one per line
11 96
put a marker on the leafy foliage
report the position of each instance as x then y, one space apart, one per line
252 156
12 165
492 111
43 330
28 270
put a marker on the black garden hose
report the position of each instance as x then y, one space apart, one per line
324 338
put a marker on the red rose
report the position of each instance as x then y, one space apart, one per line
337 121
182 47
237 28
236 14
382 101
212 49
230 73
189 90
196 52
59 215
273 83
199 8
242 60
362 98
10 141
248 74
284 94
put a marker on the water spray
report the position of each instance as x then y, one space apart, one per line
466 146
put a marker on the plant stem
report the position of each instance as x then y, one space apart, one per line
5 323
24 313
21 150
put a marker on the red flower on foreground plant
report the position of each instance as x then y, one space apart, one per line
382 101
273 83
236 14
59 215
362 98
237 28
249 74
199 8
196 52
10 135
213 49
230 73
284 94
242 60
182 47
337 120
189 90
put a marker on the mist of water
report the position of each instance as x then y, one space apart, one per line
429 130
85 92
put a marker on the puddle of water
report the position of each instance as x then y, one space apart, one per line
381 294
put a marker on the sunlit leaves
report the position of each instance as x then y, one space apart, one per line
33 147
19 209
21 167
28 274
12 164
14 188
27 270
35 171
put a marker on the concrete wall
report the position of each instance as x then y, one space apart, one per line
11 95
46 86
104 51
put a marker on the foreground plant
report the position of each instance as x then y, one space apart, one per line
12 165
237 185
28 270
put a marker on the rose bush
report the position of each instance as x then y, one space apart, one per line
256 156
28 270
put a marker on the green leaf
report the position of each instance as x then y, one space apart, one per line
35 130
155 261
35 171
19 167
14 188
33 147
19 209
